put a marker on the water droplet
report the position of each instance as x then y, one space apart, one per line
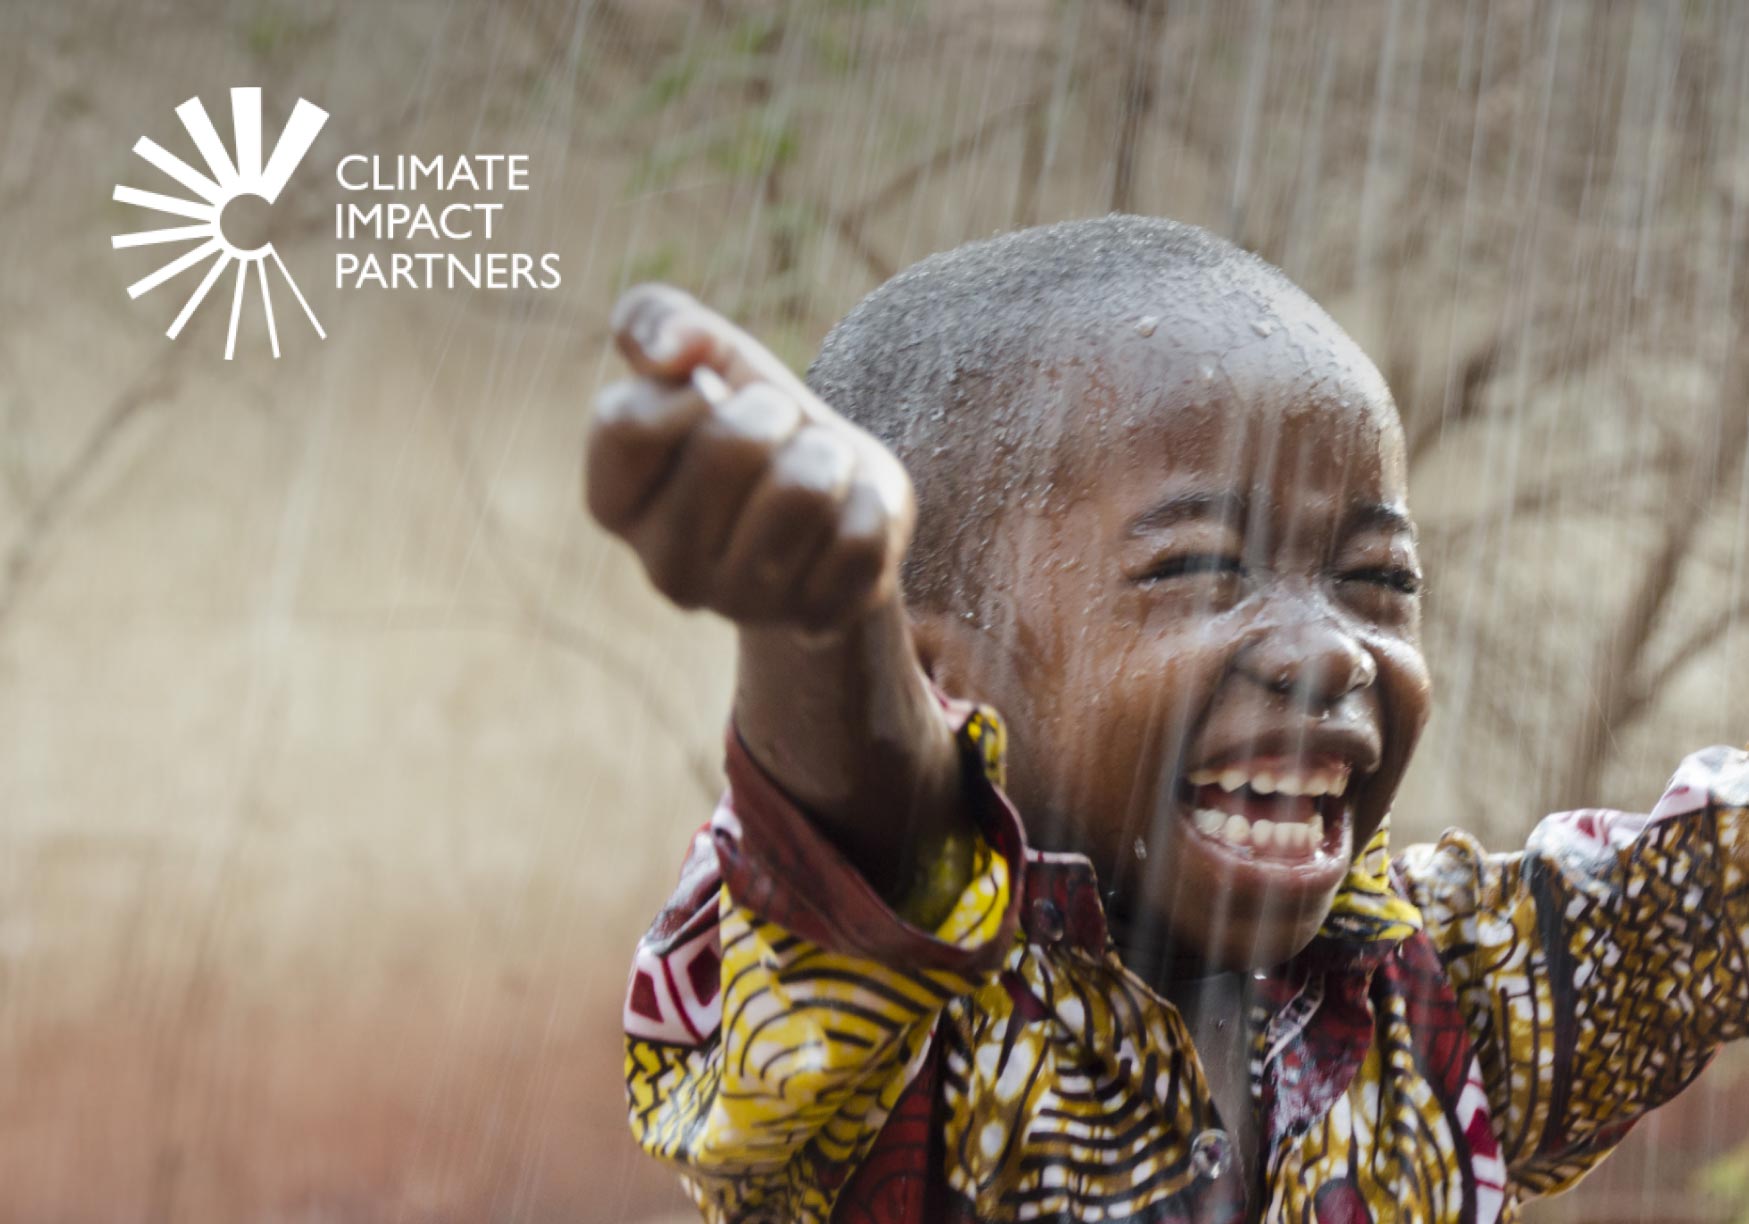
1146 324
1263 327
1211 1153
1141 849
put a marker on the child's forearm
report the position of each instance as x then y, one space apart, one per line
846 724
742 493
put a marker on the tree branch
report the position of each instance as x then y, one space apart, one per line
1720 624
25 555
848 223
900 185
1624 688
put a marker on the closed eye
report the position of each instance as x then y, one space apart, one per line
1393 577
1194 563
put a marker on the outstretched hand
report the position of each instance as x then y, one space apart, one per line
737 487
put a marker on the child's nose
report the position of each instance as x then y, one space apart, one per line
1315 663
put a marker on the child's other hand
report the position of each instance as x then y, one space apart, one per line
741 491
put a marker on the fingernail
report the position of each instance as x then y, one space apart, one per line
664 346
710 385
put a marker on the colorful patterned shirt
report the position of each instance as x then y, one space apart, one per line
1467 1030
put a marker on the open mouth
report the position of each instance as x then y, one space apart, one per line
1273 809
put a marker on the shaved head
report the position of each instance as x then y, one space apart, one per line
969 364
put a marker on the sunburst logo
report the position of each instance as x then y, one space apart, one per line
237 190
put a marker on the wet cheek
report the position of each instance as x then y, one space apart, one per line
1148 704
1408 687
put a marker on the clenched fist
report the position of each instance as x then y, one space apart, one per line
740 490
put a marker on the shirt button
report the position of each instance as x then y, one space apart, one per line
1211 1153
1047 920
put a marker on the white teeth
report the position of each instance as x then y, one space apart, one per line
1289 838
1326 782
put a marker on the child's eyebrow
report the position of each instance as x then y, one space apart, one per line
1225 507
1380 515
1230 508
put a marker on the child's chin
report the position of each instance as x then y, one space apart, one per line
1215 939
1229 908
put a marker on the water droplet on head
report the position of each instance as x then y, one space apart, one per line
1146 324
1263 327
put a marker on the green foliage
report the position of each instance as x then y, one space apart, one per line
791 220
791 342
1727 1179
766 140
755 33
832 51
274 30
659 263
671 82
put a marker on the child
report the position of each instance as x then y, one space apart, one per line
1166 970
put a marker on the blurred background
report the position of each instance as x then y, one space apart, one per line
342 761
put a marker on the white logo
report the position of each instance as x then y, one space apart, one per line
231 180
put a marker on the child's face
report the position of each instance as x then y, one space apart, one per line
1217 607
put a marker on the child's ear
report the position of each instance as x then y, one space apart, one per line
941 643
929 639
954 657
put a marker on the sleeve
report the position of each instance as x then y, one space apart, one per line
778 1008
1600 968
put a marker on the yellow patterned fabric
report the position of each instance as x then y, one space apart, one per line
1467 1030
815 1049
1600 968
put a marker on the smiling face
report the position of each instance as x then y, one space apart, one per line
1208 655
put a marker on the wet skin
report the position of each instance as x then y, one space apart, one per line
1213 589
1214 582
1223 578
